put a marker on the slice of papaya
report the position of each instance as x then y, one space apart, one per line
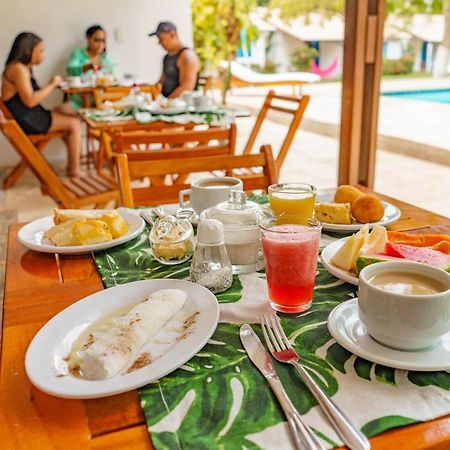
417 240
443 246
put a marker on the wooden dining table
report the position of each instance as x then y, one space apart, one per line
38 286
87 92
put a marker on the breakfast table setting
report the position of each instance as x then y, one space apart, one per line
248 361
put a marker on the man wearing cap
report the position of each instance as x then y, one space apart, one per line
180 65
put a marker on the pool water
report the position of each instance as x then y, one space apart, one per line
435 95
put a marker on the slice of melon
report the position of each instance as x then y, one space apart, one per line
376 241
345 257
423 255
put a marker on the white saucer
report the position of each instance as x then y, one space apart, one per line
345 326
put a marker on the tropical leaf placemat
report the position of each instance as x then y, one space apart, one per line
218 399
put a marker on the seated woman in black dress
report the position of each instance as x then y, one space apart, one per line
22 96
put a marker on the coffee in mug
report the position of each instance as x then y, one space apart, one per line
404 305
208 192
407 283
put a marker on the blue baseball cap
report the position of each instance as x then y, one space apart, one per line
164 27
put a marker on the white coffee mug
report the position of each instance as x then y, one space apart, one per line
202 101
74 81
188 97
208 192
400 320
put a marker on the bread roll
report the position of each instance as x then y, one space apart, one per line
347 194
368 208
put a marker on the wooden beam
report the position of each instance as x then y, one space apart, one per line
363 43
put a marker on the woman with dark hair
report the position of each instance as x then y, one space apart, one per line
93 57
22 96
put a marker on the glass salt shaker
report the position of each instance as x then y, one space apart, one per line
210 265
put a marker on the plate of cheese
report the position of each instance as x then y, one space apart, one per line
346 209
72 231
121 338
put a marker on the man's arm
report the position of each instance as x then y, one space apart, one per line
189 67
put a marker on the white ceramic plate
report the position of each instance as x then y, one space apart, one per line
31 236
327 253
391 214
44 361
345 326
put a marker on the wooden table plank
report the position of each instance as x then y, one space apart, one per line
31 418
30 305
115 412
36 269
135 438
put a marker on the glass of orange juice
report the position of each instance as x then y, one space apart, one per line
294 199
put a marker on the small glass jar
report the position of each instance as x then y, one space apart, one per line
242 235
171 240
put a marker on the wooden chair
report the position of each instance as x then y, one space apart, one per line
38 140
98 143
297 110
172 143
137 165
90 190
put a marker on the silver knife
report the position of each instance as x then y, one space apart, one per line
304 438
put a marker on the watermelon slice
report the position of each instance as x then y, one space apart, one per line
423 255
366 260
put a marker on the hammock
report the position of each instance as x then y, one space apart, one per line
324 72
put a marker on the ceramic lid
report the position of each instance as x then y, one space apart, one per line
236 213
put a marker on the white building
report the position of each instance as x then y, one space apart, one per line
277 39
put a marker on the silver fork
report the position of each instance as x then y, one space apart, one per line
282 350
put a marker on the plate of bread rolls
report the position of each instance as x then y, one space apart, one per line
346 209
74 231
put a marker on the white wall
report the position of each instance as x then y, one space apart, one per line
62 23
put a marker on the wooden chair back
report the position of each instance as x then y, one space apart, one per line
116 93
173 142
296 112
137 165
91 189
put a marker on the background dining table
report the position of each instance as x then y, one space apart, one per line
87 92
39 285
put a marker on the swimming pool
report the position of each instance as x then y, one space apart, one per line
432 95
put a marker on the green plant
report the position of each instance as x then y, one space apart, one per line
302 57
218 25
401 66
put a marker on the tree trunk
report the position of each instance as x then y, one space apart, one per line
443 52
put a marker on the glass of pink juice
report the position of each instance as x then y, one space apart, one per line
290 255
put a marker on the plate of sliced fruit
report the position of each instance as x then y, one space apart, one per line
345 258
